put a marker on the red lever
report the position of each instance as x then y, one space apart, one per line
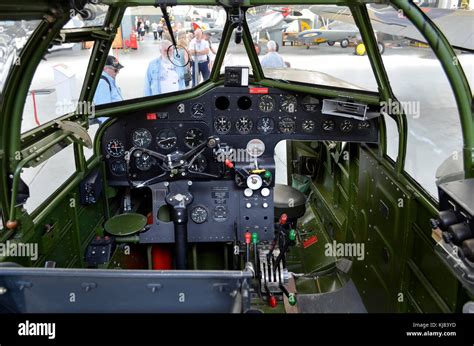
248 237
272 301
283 219
229 164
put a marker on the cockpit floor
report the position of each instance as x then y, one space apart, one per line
345 300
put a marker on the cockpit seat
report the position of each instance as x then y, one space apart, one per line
288 200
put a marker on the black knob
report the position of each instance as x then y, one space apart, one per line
459 232
468 249
447 218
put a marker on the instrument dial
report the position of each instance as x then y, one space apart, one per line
222 124
310 104
346 126
199 164
199 214
363 125
141 138
115 148
308 126
197 110
144 162
166 139
244 102
287 125
255 147
328 125
289 103
265 125
193 138
244 125
118 168
266 103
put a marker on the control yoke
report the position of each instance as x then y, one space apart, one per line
179 198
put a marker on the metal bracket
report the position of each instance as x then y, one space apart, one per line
103 35
79 133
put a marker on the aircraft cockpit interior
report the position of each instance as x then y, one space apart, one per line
235 156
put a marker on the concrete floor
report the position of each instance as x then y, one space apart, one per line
415 75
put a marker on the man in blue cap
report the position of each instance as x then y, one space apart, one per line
107 90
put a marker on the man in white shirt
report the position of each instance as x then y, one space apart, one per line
272 59
198 50
154 28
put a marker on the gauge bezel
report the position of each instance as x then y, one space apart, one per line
327 121
295 102
165 147
147 168
206 163
284 119
346 122
149 134
304 104
308 121
261 101
228 120
109 152
272 128
250 124
193 115
196 207
114 172
185 140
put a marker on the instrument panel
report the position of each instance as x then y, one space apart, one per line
236 115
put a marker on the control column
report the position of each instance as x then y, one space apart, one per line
179 198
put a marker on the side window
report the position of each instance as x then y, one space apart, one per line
44 179
56 84
420 84
13 37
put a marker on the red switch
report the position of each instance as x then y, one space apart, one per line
283 219
248 237
229 164
272 301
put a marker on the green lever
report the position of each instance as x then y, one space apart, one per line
292 235
254 238
292 299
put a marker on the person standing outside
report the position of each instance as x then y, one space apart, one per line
272 59
147 25
107 90
212 51
160 31
138 23
199 50
184 59
162 75
154 29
